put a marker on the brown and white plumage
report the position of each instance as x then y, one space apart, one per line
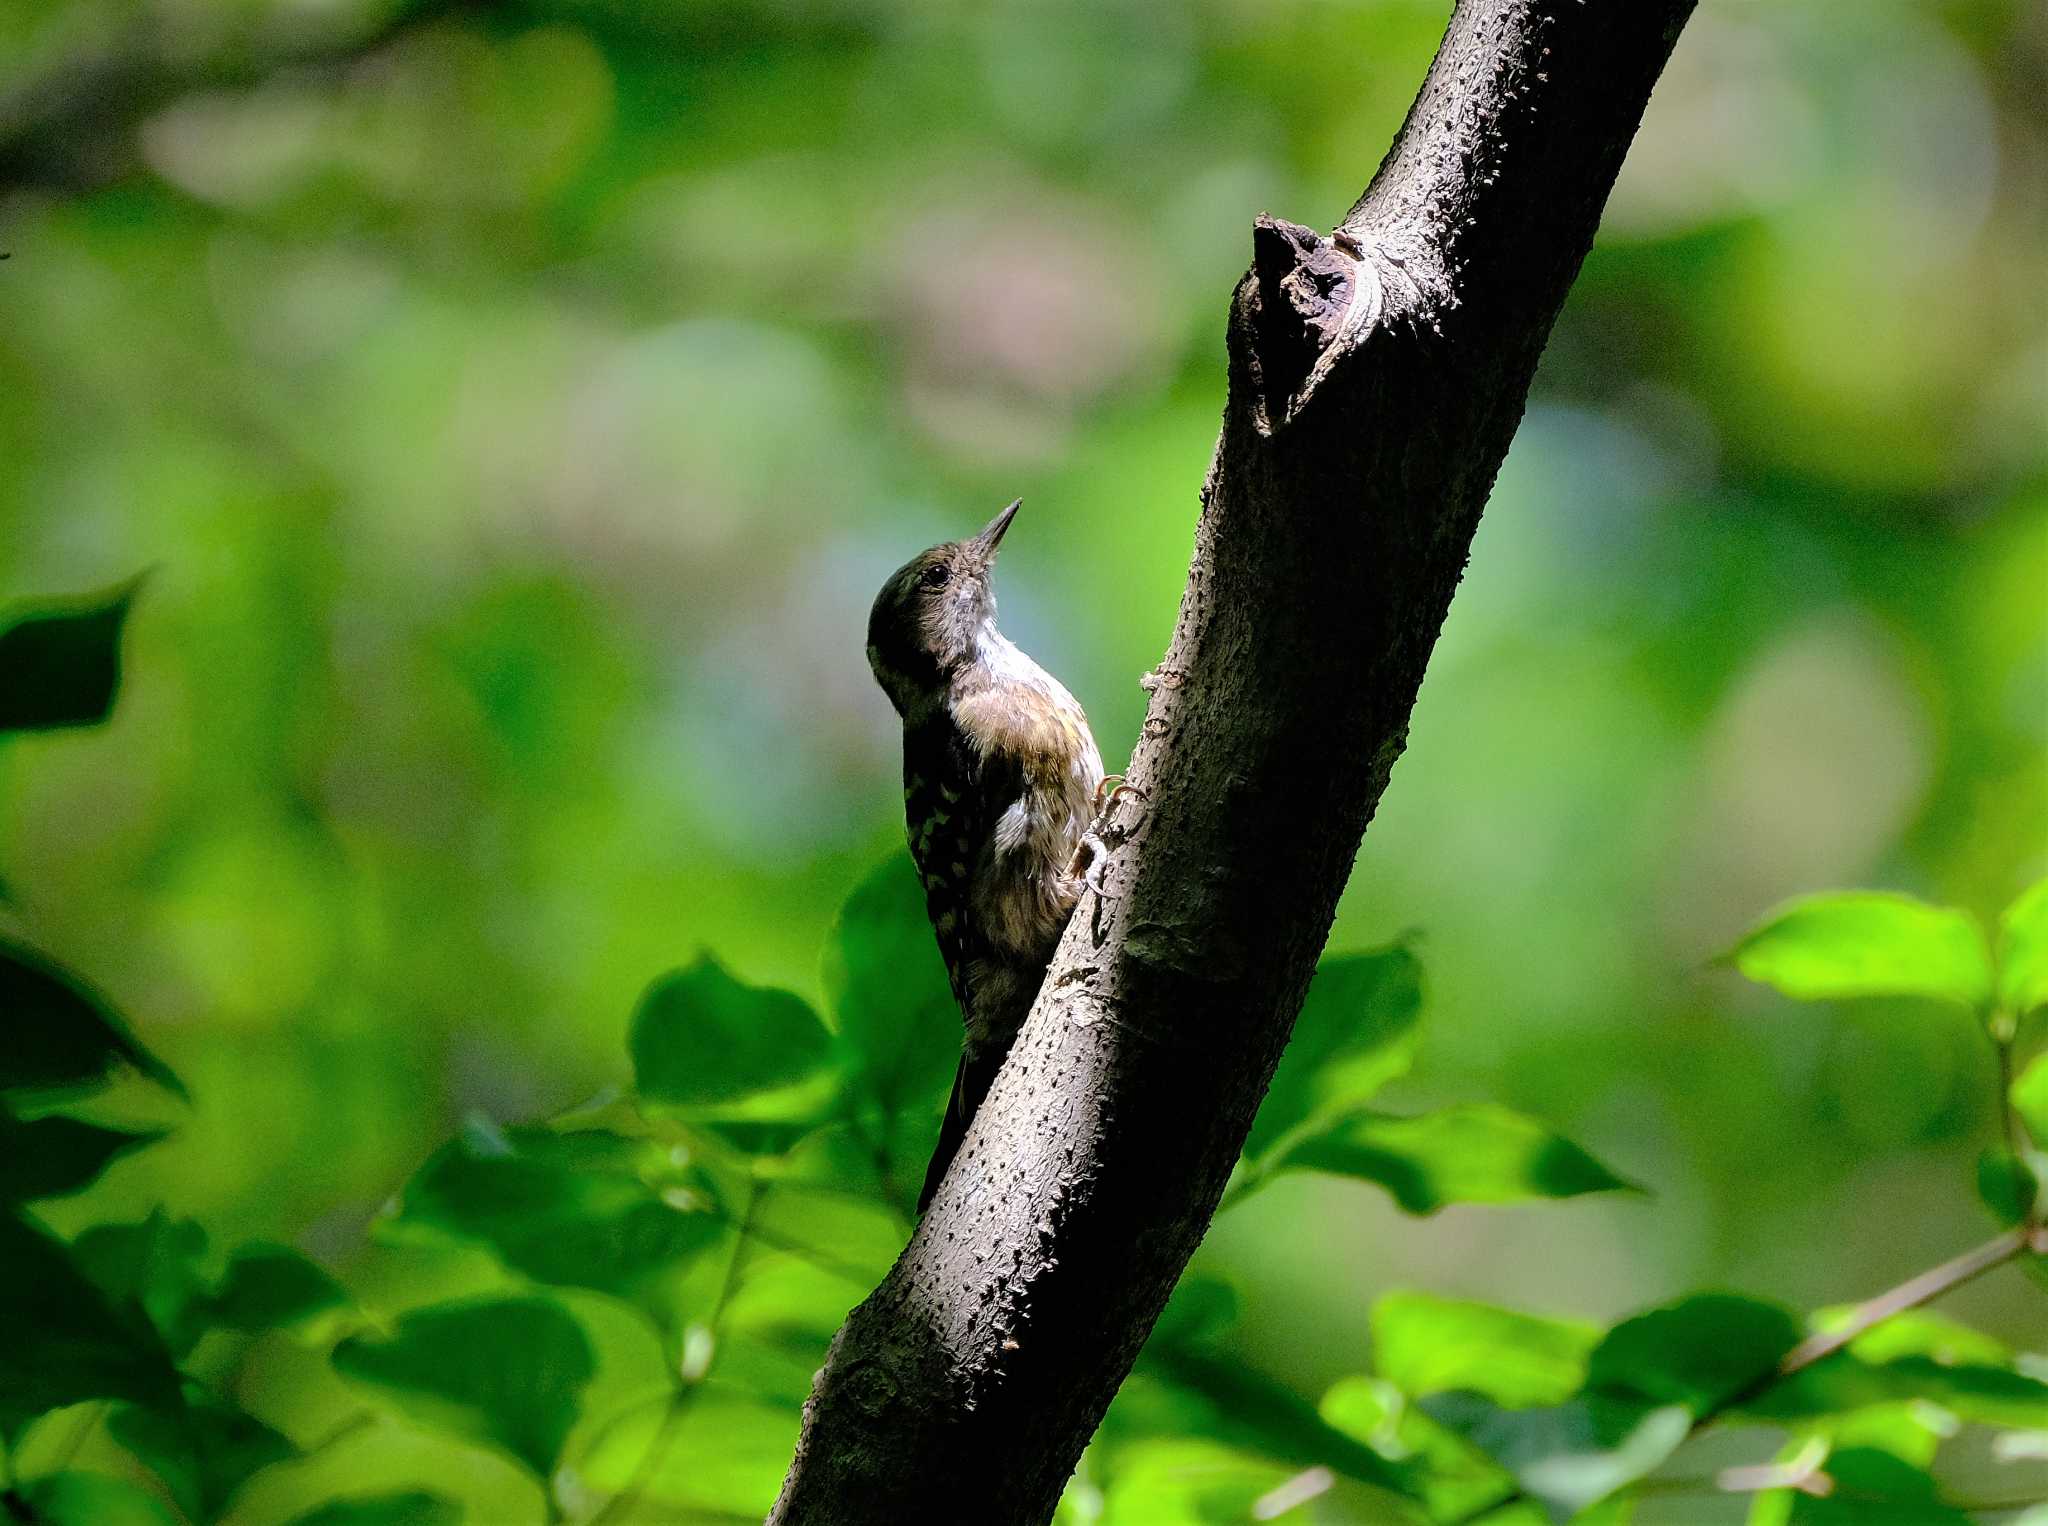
1000 774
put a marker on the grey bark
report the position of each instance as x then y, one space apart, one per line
1375 380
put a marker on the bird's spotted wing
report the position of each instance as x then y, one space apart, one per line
945 806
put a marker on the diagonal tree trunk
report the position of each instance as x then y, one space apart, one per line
1375 380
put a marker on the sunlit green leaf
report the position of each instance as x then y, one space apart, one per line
269 1287
1917 1332
62 667
560 1208
700 1036
93 1499
50 1157
856 1235
1356 1032
1912 1430
203 1452
63 1340
507 1371
1476 1153
1423 1344
709 1448
154 1264
2023 952
1868 943
1188 1482
411 1507
60 1037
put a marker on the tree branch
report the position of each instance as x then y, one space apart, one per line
1375 380
1872 1312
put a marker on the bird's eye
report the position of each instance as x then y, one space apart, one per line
937 576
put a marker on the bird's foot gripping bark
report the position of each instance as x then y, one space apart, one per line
1091 853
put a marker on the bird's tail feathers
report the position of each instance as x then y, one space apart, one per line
970 1085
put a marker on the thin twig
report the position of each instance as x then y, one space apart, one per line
1910 1294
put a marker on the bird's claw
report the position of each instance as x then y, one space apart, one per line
1110 788
1091 853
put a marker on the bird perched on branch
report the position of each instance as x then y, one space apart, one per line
1000 779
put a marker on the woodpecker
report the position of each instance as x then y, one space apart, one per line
1001 778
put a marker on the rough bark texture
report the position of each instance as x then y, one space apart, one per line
1375 380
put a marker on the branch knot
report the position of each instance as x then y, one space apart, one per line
1297 304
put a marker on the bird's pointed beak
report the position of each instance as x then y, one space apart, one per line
985 543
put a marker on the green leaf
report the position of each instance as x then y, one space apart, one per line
51 1157
701 1037
1476 1153
153 1264
1917 1332
203 1453
887 988
2023 952
857 1236
1423 1344
1912 1430
269 1287
560 1209
1249 1411
60 1037
1571 1455
1647 1381
2030 1098
1454 1480
510 1372
93 1499
63 1339
721 1452
1699 1352
2006 1184
1868 943
1912 1359
1188 1482
1988 1395
62 667
406 1508
1356 1032
1874 1488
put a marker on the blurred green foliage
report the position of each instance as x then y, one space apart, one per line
626 1300
518 408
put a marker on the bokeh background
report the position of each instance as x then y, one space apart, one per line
518 407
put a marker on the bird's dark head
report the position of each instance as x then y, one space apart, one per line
928 615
